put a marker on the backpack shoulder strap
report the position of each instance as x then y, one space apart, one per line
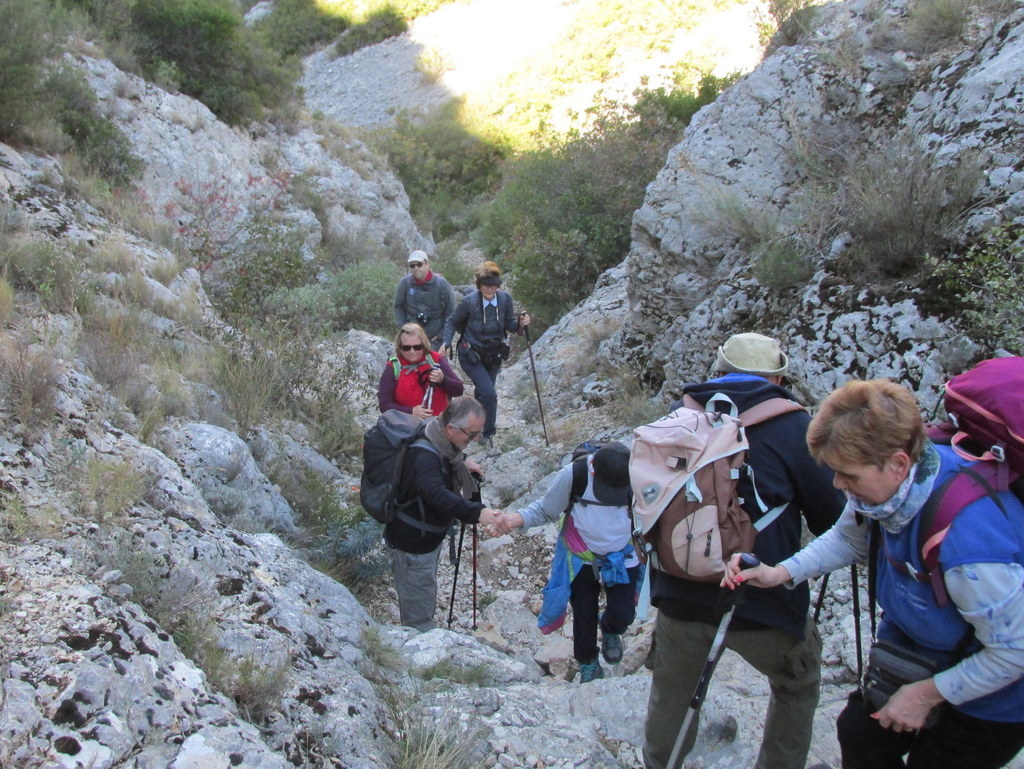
579 482
768 409
966 486
761 412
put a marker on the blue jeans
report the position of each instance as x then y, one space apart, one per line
484 377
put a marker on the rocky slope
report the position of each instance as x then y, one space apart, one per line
151 612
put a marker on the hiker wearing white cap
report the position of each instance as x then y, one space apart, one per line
424 297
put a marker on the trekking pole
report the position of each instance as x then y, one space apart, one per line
474 575
477 497
714 654
455 577
856 620
821 598
536 385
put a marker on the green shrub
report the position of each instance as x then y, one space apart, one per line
443 167
203 47
563 212
258 377
379 26
360 296
103 489
789 22
36 264
296 27
428 742
101 144
31 32
6 301
783 262
934 23
474 675
899 205
982 286
271 260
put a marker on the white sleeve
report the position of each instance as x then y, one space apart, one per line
990 596
549 507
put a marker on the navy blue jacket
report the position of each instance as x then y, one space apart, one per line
468 320
784 472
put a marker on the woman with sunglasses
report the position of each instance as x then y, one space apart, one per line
416 379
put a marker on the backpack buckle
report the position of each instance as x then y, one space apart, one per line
998 453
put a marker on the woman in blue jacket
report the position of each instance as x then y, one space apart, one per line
872 436
483 319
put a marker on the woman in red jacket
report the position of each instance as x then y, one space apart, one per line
416 379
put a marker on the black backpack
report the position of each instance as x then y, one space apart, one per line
578 458
384 448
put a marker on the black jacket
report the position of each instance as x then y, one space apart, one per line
468 320
427 477
784 472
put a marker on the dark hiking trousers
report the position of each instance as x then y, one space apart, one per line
620 610
957 741
484 376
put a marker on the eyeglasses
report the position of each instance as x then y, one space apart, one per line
414 265
407 347
471 435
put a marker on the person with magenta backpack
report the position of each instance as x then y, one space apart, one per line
483 319
944 685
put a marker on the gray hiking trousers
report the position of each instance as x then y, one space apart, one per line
793 669
416 583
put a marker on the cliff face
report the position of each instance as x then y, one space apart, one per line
775 167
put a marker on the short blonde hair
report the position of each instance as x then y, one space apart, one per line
866 422
412 329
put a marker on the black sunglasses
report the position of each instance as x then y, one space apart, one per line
414 265
471 435
407 347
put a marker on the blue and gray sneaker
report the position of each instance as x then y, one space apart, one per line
611 648
590 671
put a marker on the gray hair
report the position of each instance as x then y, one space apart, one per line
460 410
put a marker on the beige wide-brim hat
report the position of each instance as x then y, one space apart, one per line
752 354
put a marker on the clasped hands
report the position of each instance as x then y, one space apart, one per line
499 522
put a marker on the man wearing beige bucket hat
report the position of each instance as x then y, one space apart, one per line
771 630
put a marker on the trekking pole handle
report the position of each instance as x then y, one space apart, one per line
749 560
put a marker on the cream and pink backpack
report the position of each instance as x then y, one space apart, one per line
684 469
